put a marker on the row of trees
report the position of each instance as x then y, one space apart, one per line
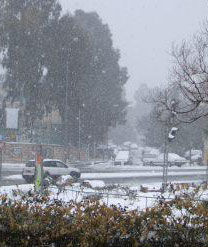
62 62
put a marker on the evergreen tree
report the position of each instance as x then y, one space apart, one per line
23 25
66 63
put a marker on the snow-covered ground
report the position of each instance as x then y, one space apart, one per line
135 174
130 197
13 165
77 194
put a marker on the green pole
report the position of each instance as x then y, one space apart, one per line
39 171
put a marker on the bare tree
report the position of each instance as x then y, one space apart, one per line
190 77
188 86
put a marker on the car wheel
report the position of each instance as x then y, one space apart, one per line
47 174
75 175
29 180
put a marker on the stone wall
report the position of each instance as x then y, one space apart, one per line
14 152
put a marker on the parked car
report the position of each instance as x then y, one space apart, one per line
195 156
173 160
123 158
149 153
193 152
52 167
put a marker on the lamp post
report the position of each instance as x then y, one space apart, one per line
79 128
114 107
66 104
165 161
79 134
66 116
169 136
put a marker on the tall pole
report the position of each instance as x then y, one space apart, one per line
67 94
39 170
79 134
0 165
207 171
66 104
169 122
206 157
165 162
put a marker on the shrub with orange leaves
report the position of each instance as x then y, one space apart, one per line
37 221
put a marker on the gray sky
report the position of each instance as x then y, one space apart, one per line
144 30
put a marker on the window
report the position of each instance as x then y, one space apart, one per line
49 164
30 164
60 164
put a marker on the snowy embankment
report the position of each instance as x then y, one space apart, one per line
138 174
13 166
139 167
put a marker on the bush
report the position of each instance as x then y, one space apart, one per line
38 221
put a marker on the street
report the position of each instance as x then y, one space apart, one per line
134 175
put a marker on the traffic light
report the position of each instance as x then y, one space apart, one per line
172 134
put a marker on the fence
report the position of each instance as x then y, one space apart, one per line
139 201
14 152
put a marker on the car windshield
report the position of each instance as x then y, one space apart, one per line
30 164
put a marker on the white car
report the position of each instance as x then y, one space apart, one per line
195 156
173 160
51 167
123 158
193 152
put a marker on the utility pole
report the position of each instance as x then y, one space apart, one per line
1 159
169 136
81 106
66 120
206 157
79 134
66 104
0 166
165 163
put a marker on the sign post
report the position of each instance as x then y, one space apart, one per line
39 171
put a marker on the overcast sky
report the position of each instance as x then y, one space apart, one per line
144 30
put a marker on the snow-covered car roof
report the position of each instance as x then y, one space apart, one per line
171 157
122 155
46 160
193 152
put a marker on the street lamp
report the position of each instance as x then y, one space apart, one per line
79 130
67 92
169 136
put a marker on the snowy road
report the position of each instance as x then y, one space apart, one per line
124 175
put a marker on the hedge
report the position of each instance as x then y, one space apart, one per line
37 221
